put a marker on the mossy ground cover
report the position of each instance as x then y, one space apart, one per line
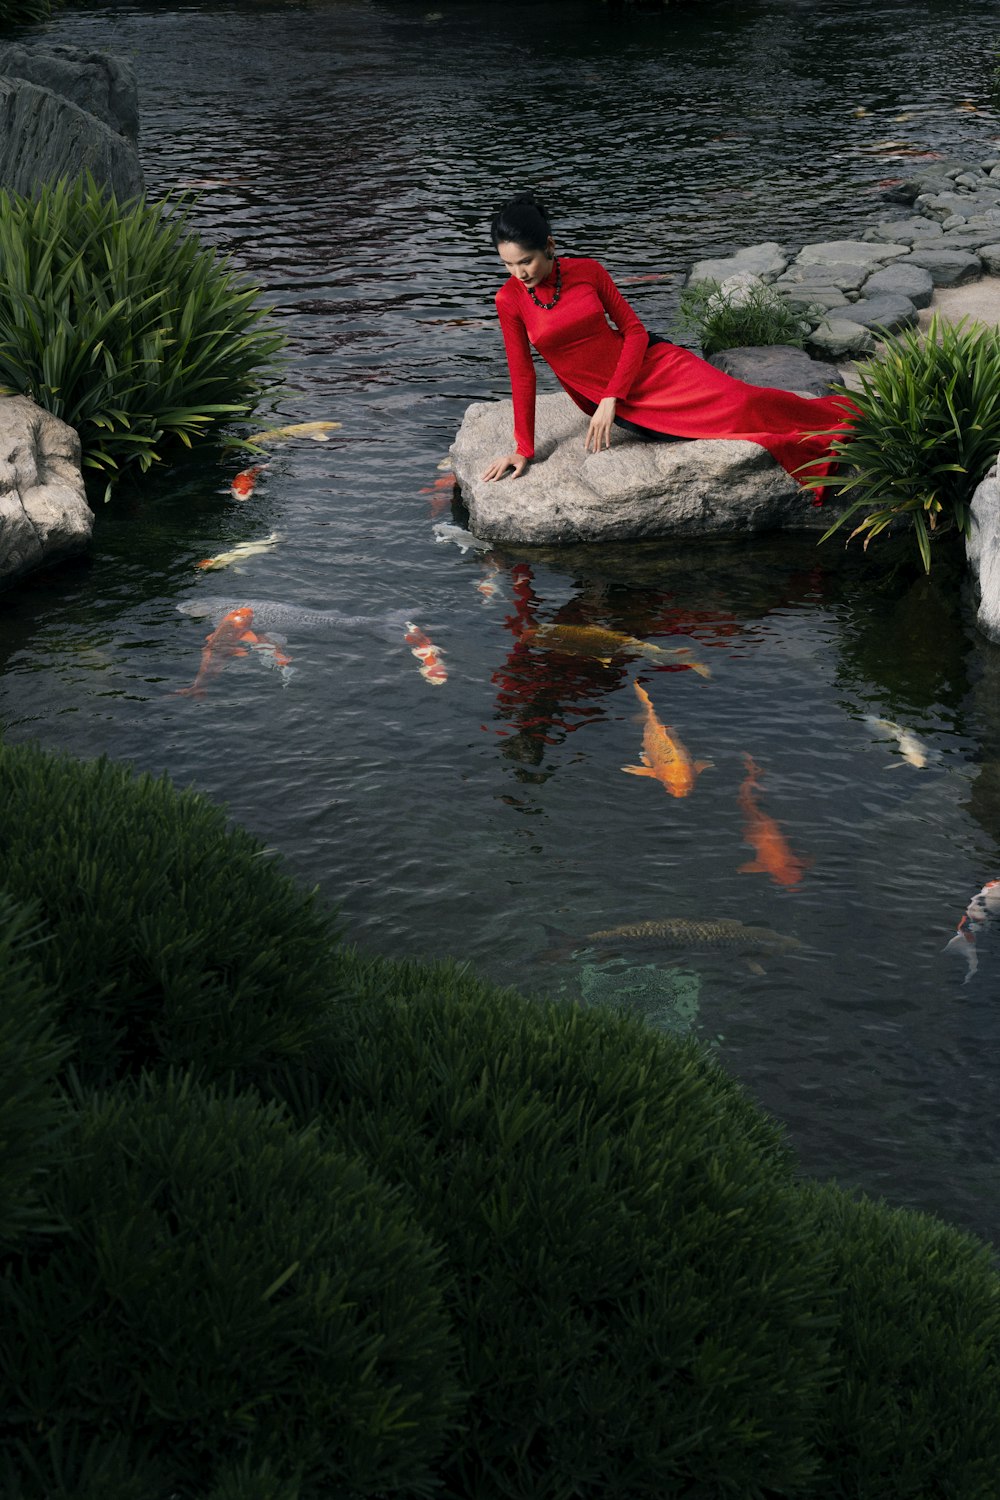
290 1222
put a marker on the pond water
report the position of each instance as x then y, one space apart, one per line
348 156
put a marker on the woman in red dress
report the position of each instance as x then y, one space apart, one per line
622 374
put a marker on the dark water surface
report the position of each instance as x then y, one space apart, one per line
348 156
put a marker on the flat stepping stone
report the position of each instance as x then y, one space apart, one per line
990 257
861 252
766 261
801 296
904 231
902 280
947 267
779 366
886 311
838 338
845 275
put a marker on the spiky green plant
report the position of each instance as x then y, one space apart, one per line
23 13
747 316
926 431
115 317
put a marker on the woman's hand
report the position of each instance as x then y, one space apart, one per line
515 461
599 431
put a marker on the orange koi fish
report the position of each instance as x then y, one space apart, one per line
486 586
981 911
432 668
650 276
229 638
245 483
664 757
774 857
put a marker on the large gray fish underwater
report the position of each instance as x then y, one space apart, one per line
271 615
678 934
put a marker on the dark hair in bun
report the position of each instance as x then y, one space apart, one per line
521 221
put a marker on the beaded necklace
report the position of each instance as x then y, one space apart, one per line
548 306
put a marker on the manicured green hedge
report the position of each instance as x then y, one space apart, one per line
176 940
32 1116
578 1262
230 1297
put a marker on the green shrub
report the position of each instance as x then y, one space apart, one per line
927 430
176 940
23 13
117 319
746 316
916 1412
243 1308
31 1115
640 1308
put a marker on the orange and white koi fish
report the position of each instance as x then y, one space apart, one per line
663 756
486 586
230 638
245 483
650 276
446 482
774 857
984 905
432 668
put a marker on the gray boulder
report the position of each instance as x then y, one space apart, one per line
845 275
943 205
889 310
44 137
990 257
807 297
104 86
902 280
766 261
982 549
44 513
947 267
869 253
632 492
838 338
904 231
779 366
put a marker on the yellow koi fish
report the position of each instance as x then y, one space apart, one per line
315 430
595 640
242 551
663 756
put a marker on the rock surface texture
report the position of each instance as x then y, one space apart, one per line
779 366
102 85
44 137
635 491
44 513
982 549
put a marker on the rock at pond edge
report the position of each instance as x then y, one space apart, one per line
44 513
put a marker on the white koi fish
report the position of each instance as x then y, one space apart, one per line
984 905
241 552
447 531
911 746
318 431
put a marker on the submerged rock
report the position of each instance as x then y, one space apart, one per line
44 513
635 491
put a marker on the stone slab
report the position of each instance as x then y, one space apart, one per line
902 280
767 261
947 267
44 513
888 310
858 252
778 366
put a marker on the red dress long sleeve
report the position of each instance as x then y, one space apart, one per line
658 386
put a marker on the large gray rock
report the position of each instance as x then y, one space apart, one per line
838 338
805 296
942 205
902 280
845 275
634 491
869 253
44 137
102 85
766 261
44 513
990 257
982 548
904 231
888 310
947 267
780 367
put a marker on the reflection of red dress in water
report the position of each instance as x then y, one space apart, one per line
658 386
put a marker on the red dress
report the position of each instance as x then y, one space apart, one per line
658 386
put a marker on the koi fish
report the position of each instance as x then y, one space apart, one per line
229 638
594 640
911 746
710 935
242 551
663 757
486 586
432 668
245 483
447 531
652 276
774 857
271 654
446 482
315 430
984 905
269 614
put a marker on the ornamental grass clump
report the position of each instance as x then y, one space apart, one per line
173 938
926 431
232 1308
743 312
114 317
23 13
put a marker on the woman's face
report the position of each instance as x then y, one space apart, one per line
529 266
